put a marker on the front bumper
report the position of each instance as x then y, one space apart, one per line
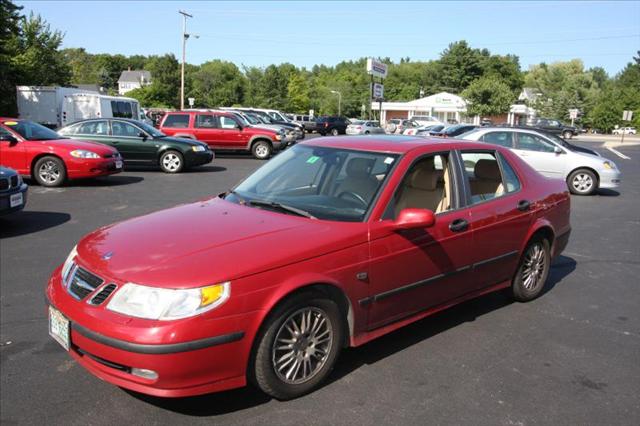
609 179
192 356
5 199
87 168
199 158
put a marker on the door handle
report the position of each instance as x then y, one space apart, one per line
524 205
458 225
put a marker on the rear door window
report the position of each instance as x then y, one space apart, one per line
177 120
499 138
206 121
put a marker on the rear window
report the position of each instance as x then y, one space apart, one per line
176 120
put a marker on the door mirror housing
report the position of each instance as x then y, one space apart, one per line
558 150
8 138
143 135
415 218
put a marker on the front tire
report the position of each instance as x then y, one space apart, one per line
50 171
261 150
334 132
582 182
567 135
298 347
171 162
533 271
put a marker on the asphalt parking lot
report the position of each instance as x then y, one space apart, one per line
570 357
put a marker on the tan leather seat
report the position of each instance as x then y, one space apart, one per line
359 179
420 189
487 178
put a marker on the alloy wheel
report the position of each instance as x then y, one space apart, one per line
262 151
582 182
534 267
171 162
302 345
49 172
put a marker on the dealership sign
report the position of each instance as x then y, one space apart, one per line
376 69
378 91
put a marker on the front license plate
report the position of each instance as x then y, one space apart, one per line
59 327
15 200
118 164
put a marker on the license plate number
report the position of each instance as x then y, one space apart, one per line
15 200
59 327
118 164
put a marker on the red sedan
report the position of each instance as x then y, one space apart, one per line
332 243
36 151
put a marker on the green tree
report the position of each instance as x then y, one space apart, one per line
488 96
217 83
298 94
459 65
10 33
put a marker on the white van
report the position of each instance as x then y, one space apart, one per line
81 106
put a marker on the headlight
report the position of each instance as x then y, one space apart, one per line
608 165
81 153
198 148
278 137
66 267
167 304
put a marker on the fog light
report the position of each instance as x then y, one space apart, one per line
144 373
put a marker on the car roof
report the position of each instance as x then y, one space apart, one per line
398 144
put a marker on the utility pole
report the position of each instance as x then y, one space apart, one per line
185 36
335 92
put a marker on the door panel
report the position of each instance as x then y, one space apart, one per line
14 155
540 155
206 129
133 148
231 136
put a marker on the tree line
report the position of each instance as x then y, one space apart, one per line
31 54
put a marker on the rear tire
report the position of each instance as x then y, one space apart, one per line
334 132
309 330
533 270
582 182
50 171
567 135
171 162
261 150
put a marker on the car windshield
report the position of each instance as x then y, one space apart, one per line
251 119
356 122
150 129
32 131
318 182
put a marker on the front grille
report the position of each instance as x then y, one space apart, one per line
4 184
82 282
103 294
14 181
103 361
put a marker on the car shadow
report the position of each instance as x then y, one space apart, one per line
607 192
352 359
28 222
106 181
203 169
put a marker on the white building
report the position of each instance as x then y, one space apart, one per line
521 113
443 106
130 80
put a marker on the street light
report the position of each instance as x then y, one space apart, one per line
185 36
335 92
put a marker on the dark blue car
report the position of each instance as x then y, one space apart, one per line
13 191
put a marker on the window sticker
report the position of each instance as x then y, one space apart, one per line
388 160
312 159
11 123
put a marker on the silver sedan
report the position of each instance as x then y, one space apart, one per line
364 127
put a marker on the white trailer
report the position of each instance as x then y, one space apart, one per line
59 106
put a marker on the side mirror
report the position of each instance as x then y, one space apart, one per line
415 218
8 138
558 150
238 126
143 135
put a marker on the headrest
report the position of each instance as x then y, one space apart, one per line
424 179
487 169
359 167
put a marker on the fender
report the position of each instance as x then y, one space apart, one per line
538 224
265 136
184 135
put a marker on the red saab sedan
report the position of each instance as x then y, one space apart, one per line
332 243
36 151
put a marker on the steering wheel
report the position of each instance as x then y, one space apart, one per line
354 196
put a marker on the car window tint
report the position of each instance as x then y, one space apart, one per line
499 138
120 128
227 122
177 120
509 175
483 174
205 121
93 128
70 130
426 185
529 142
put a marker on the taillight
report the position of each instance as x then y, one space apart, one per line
359 127
326 124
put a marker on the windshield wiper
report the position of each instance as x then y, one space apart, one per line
282 207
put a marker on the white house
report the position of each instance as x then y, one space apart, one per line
130 80
444 106
520 112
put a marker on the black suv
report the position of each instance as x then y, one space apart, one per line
556 127
332 125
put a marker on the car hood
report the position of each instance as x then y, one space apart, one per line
73 144
210 241
185 141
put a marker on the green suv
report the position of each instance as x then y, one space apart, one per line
141 144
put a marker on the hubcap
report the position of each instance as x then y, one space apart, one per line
582 182
262 151
49 172
171 162
302 345
534 265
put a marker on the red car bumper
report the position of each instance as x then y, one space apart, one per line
213 356
87 168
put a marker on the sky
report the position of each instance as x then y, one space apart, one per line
304 33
